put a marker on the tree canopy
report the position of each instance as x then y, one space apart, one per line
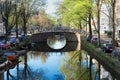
73 12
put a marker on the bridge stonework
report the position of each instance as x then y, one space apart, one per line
40 40
42 37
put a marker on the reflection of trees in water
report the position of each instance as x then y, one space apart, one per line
57 38
23 74
73 68
58 77
10 76
42 55
62 38
27 73
51 40
32 75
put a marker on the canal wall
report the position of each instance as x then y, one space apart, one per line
109 63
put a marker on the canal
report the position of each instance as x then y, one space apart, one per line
50 66
36 65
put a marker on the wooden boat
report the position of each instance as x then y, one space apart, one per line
10 63
11 60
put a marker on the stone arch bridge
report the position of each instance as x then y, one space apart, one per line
40 41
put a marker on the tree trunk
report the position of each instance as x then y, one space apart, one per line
24 27
98 21
6 29
90 29
113 23
80 25
16 22
24 23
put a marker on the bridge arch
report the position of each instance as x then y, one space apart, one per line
39 41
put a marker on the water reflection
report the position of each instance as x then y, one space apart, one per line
56 41
48 66
39 66
75 66
35 65
53 66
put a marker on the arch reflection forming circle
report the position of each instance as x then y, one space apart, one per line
56 41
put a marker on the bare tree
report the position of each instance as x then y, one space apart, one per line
111 9
6 10
29 7
113 3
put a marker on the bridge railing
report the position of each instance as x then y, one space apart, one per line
57 29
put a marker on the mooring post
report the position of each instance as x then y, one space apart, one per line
90 68
99 70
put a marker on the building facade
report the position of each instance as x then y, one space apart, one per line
104 19
117 12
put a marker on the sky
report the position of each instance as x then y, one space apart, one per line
52 6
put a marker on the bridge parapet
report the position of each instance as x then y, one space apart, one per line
42 37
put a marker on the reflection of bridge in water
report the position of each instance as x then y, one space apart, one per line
75 42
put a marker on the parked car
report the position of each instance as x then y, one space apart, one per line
12 41
4 45
94 40
110 42
22 38
106 47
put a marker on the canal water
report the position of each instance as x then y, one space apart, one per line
40 66
44 66
34 65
